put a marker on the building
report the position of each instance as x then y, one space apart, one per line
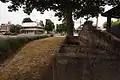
31 28
5 28
112 13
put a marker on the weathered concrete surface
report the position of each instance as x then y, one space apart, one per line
94 58
85 68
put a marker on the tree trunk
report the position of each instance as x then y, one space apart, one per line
108 23
96 21
70 24
80 21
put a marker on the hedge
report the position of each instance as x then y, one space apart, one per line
9 46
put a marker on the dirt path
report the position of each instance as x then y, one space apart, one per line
33 62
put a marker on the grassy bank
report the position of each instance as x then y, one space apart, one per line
9 46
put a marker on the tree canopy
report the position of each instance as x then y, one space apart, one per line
41 23
61 28
84 7
49 25
63 8
116 23
15 28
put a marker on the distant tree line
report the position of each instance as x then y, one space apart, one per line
15 28
113 24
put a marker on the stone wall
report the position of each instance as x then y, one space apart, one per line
86 68
94 58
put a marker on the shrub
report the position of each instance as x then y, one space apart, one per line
9 46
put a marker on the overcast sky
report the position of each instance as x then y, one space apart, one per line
17 17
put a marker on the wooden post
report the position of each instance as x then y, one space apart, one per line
108 23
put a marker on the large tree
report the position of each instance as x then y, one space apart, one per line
61 28
41 23
49 26
65 8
